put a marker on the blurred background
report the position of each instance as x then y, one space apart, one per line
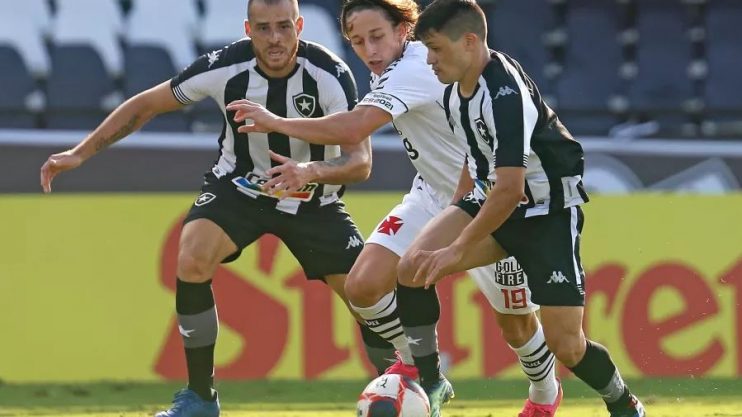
650 87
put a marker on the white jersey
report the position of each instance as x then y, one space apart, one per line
409 91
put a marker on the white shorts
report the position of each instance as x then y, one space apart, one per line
506 286
503 283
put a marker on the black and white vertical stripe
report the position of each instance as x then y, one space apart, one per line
506 123
319 78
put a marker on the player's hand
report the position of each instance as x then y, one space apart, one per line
288 177
434 265
55 164
263 121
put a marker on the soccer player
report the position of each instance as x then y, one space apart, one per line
528 191
295 79
406 92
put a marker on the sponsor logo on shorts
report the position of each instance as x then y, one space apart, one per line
354 242
509 273
204 199
390 226
557 277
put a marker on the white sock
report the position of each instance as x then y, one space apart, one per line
383 319
538 363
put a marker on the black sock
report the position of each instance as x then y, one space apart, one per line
419 311
379 351
599 372
199 325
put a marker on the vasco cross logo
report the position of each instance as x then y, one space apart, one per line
304 104
390 226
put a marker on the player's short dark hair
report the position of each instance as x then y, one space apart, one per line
452 18
295 3
396 11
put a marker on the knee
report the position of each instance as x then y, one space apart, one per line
406 271
568 349
194 266
517 330
365 290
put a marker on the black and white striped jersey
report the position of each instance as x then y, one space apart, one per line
505 123
320 84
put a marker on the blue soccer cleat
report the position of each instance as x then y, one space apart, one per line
634 409
189 404
438 394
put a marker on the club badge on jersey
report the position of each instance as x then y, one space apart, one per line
252 185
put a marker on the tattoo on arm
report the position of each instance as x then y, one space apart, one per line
105 142
336 162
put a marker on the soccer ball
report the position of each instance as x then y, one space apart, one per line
393 396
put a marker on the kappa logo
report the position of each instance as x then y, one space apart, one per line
305 104
354 242
504 91
204 199
557 277
213 56
340 69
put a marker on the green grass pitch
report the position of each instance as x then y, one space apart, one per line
475 398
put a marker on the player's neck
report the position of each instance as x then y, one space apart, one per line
468 83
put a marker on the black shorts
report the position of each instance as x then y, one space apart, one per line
323 239
548 249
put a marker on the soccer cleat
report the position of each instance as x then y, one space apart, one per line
400 368
438 394
634 409
188 404
532 409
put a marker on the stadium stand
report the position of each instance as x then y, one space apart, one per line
590 92
19 88
623 67
24 27
723 103
221 23
526 43
662 89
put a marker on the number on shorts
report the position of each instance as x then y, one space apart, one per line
514 299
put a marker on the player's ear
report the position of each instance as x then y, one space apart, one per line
299 25
247 28
470 41
402 32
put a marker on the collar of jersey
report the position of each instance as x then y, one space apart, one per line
268 77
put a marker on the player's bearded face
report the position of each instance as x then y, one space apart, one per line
274 30
376 42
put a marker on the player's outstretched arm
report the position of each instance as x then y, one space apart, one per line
343 128
353 165
127 118
505 196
